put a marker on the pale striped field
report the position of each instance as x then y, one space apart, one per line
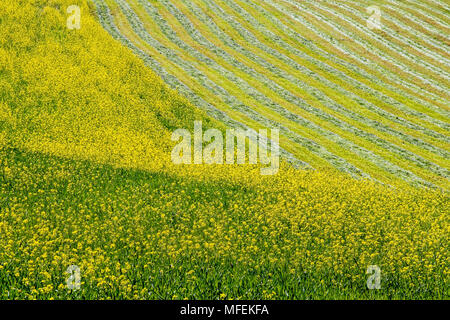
370 102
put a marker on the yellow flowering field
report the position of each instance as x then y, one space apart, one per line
87 182
149 235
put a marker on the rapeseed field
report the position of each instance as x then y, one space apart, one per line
87 182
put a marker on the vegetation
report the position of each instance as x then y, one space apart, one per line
86 177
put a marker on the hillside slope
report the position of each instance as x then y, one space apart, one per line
371 103
86 179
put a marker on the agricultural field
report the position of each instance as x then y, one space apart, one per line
92 205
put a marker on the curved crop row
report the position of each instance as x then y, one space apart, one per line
238 68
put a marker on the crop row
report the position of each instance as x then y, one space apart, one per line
344 51
400 62
312 146
107 22
260 84
323 59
